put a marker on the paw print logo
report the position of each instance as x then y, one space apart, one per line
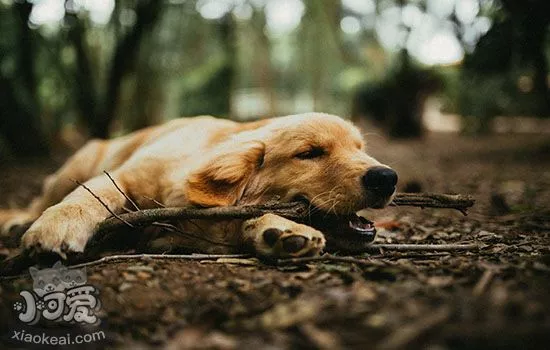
40 305
18 306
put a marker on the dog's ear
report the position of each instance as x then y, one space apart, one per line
222 180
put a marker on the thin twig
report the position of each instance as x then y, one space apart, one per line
22 262
483 282
420 256
369 261
122 257
166 226
328 257
101 235
103 203
121 191
433 247
154 201
127 210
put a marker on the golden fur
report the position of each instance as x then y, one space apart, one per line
204 161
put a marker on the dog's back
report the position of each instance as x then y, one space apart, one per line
176 139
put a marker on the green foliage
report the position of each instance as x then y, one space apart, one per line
206 90
156 60
503 75
396 101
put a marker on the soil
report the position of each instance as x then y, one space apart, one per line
495 297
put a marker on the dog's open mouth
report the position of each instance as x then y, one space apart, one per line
362 227
350 233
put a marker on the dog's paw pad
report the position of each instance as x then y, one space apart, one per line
300 241
271 236
274 236
294 244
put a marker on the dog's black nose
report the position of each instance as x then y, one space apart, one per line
380 179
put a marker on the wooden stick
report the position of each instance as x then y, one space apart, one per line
114 258
433 247
291 261
20 263
23 261
369 259
328 257
292 210
435 200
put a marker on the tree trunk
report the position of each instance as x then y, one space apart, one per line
265 72
405 115
19 125
540 65
86 94
26 55
19 109
532 21
124 61
227 76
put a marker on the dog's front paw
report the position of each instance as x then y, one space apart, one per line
274 236
60 229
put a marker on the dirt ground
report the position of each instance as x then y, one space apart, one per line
496 297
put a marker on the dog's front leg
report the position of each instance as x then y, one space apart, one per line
68 225
276 237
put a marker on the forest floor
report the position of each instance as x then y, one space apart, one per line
497 297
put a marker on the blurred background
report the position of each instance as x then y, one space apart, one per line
75 69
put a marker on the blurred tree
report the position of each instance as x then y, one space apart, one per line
483 77
208 88
43 70
141 64
320 51
98 110
396 103
19 108
512 49
531 20
264 73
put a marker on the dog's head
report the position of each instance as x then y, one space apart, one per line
317 157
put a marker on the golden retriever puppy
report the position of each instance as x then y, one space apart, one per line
207 162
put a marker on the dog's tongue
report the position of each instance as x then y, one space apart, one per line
363 227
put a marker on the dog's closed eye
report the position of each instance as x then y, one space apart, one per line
313 152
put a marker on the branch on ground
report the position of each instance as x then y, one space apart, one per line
292 210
